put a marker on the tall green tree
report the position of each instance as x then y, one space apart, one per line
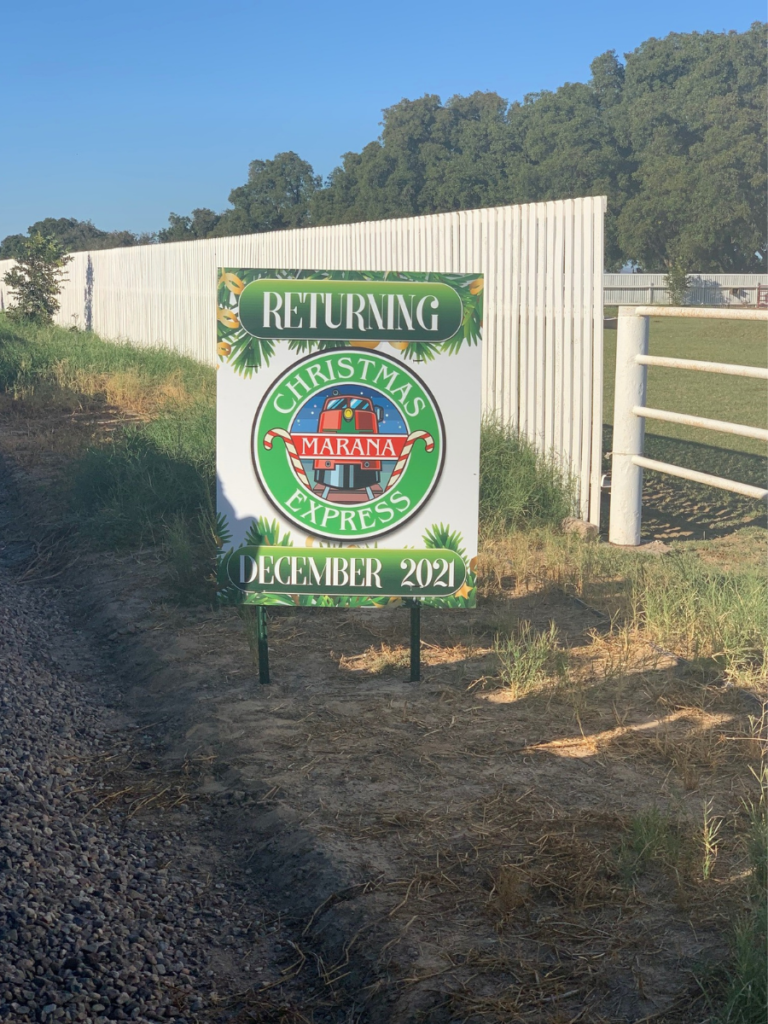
675 138
693 107
563 144
36 279
431 157
277 195
387 178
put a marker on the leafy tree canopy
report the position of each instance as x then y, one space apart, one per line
693 110
201 224
276 195
72 235
674 134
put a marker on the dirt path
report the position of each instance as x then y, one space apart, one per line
422 852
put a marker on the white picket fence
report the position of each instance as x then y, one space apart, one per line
543 329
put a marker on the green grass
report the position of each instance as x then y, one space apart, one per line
739 399
34 358
739 994
128 490
652 837
681 601
153 481
744 995
529 657
149 482
736 991
518 487
700 611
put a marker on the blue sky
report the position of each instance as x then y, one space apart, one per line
120 113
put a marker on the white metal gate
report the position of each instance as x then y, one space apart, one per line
543 330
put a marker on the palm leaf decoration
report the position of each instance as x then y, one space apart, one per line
248 353
229 595
262 532
222 534
327 345
242 351
222 537
353 601
302 345
305 345
443 536
282 599
470 332
420 351
316 601
339 601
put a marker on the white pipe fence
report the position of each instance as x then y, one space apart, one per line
730 369
701 421
630 413
747 490
703 289
543 327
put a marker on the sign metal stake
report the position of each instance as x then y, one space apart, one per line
415 607
261 627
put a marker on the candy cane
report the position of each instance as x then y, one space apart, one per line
414 436
290 447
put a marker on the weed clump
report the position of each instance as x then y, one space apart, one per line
519 487
190 550
740 994
529 658
652 837
699 611
37 359
713 617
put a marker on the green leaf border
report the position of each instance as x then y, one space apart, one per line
263 531
247 354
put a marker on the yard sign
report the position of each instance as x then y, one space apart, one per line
348 437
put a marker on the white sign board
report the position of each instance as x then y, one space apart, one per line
348 437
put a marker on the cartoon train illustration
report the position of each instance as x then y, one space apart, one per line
348 452
355 415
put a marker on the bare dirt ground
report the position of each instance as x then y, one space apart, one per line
437 851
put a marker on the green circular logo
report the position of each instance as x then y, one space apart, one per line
348 443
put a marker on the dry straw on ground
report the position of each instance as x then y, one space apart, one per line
552 827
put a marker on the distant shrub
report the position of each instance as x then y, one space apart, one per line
36 279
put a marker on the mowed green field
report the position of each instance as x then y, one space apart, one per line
716 396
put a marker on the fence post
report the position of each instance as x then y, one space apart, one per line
628 429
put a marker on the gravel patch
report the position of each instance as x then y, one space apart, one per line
98 920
